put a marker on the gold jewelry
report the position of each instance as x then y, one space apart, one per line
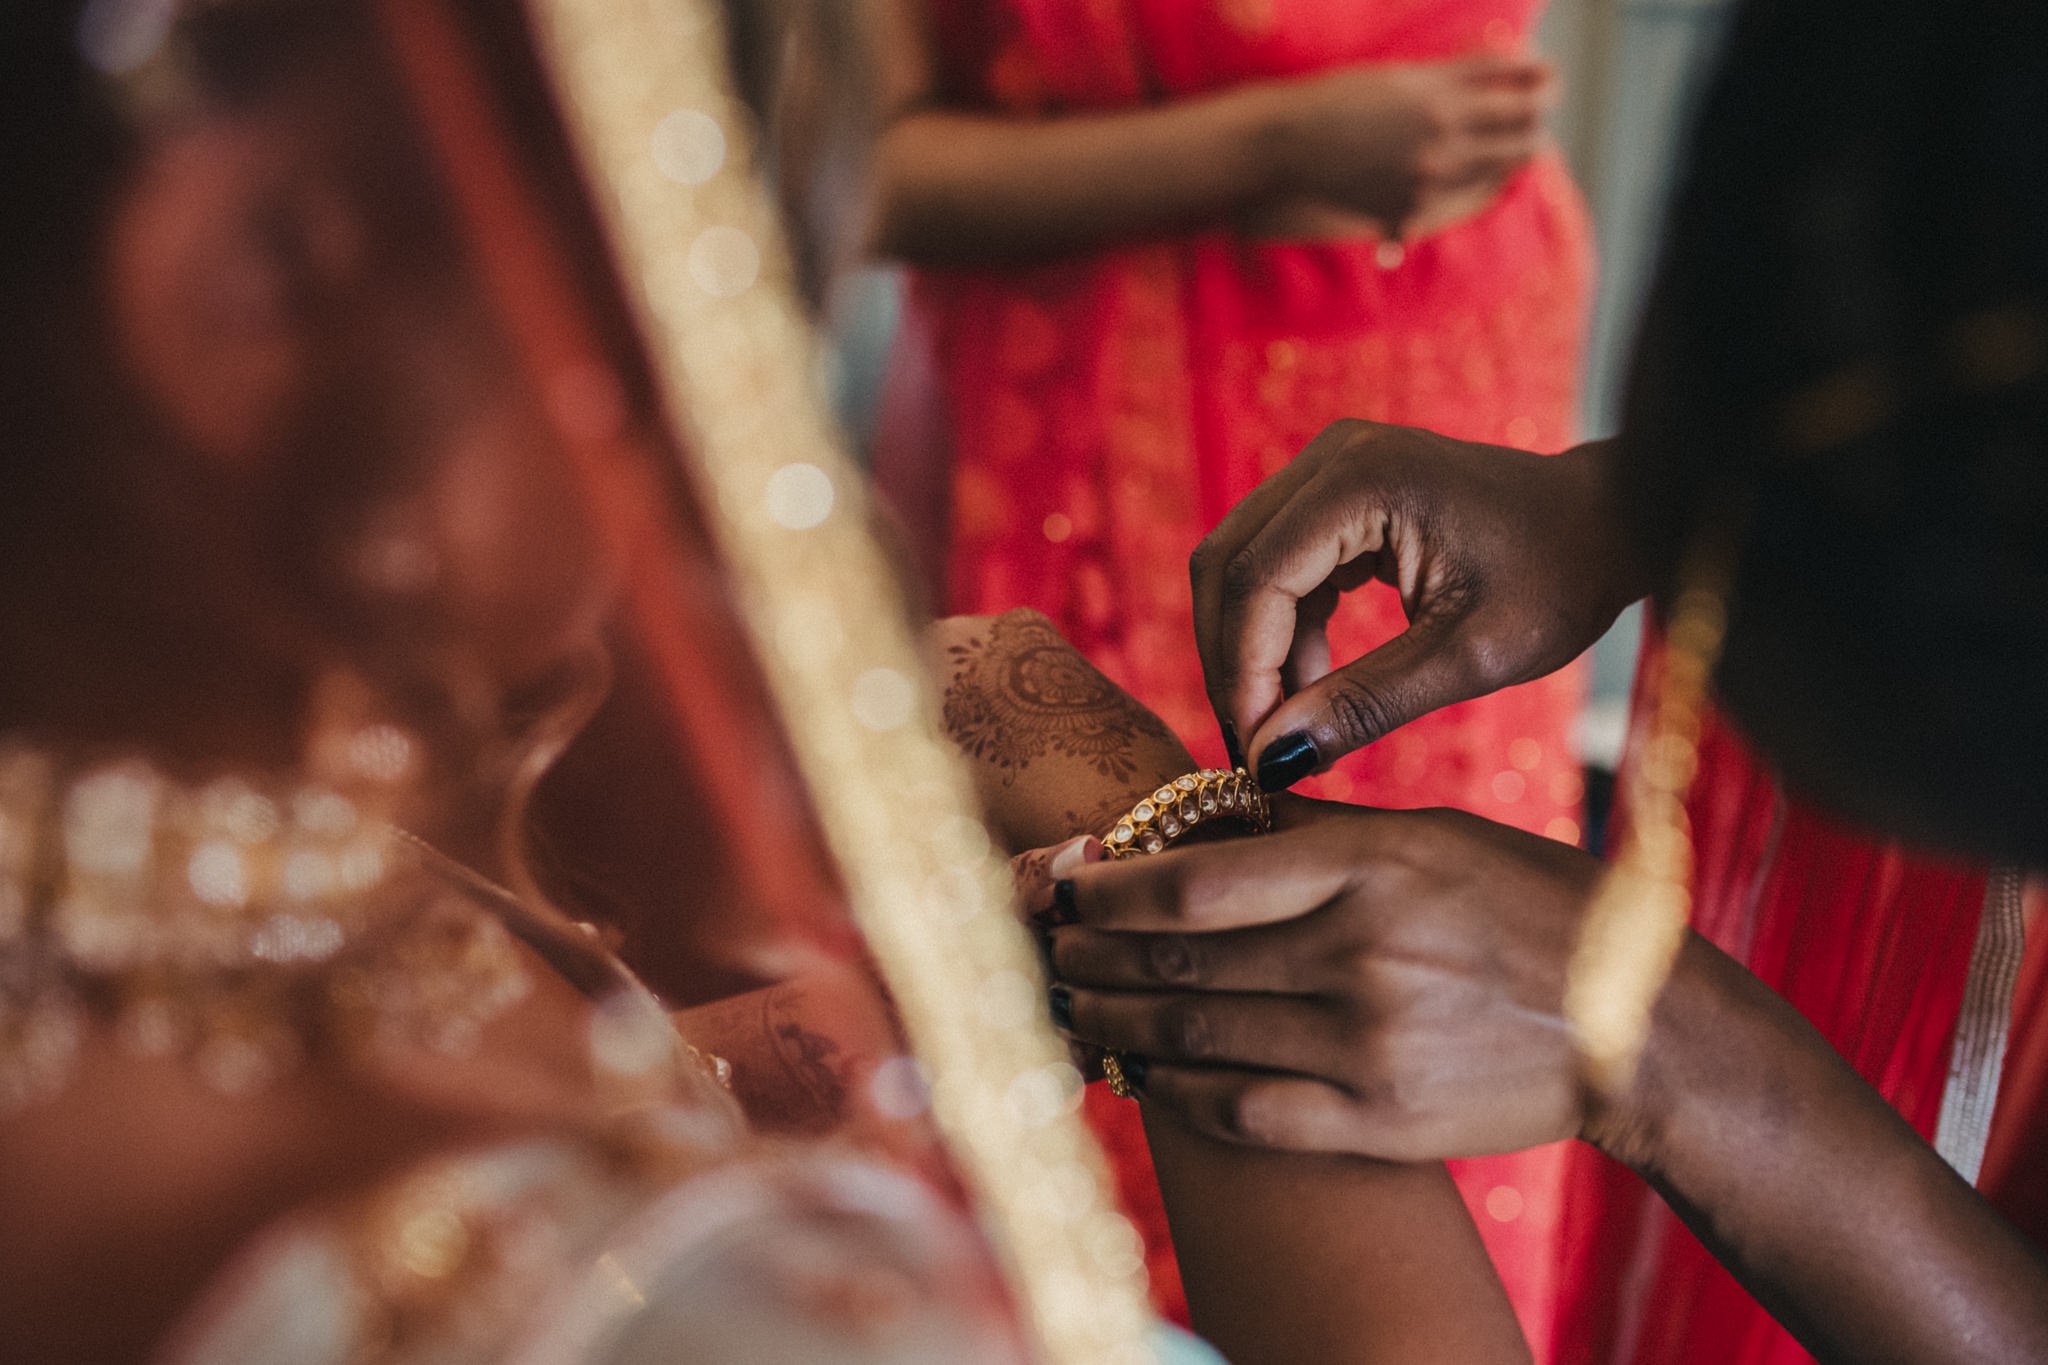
1113 1072
231 923
1168 814
1155 824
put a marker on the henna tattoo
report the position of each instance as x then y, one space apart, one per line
1022 692
807 1056
1101 817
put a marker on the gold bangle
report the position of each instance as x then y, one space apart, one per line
1154 824
1190 800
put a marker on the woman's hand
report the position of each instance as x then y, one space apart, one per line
1390 983
1417 146
1509 565
1387 983
1038 873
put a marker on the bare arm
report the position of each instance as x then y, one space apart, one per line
1391 983
1428 143
1823 1201
957 186
1286 1258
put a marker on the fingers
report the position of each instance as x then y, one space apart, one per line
1329 535
1500 123
1506 71
1309 659
1502 109
1270 960
1416 672
1210 569
1036 872
1213 888
1322 539
1260 1032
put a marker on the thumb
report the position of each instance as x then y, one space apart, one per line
1416 672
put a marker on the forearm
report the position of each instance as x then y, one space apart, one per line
957 188
1055 748
1286 1257
1816 1194
1384 1253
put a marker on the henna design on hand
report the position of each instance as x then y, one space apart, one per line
811 1059
1019 692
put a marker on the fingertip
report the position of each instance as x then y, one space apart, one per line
1232 745
1286 761
1076 852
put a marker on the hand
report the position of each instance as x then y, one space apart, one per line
1385 983
1037 875
1415 146
1036 872
1509 565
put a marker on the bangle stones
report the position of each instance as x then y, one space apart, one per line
1155 822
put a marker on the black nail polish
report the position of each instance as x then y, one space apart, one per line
1286 761
1063 911
1232 745
1062 1002
1134 1068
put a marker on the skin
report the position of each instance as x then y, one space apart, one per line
1403 150
1286 1257
1390 983
1509 566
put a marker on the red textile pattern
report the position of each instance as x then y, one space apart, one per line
1100 414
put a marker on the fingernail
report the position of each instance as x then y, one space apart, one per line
1135 1069
1286 761
1072 854
1232 745
1062 1002
1063 911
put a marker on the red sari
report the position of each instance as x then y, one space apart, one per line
1102 413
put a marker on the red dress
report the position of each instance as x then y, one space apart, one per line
1872 943
1103 412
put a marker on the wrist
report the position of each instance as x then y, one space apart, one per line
1274 136
1594 461
1696 1047
1623 576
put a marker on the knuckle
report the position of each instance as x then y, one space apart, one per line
1258 1116
1343 433
1221 1117
1243 572
1175 886
1187 1030
1172 960
1347 968
1359 715
1390 1086
1207 558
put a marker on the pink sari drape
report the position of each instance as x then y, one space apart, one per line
1103 412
